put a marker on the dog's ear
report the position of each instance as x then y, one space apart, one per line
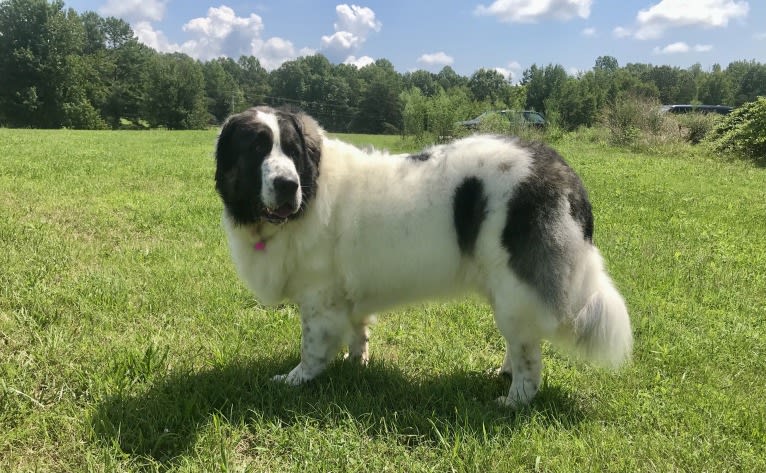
312 135
223 145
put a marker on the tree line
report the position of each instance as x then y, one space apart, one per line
60 68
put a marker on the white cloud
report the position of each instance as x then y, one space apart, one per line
681 47
223 33
530 11
512 72
353 26
155 39
274 51
436 59
357 20
135 10
654 21
760 36
621 32
673 48
589 32
359 62
222 21
220 33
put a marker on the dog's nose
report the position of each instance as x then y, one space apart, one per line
285 188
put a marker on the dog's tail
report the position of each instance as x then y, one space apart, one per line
599 327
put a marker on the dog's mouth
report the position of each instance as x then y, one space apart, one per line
279 214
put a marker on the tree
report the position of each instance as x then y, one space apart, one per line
542 84
715 88
176 93
380 110
37 39
487 85
128 83
223 94
751 84
424 80
252 79
607 64
449 79
576 103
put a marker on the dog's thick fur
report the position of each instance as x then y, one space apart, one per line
345 233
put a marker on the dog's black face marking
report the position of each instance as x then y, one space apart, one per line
469 212
534 218
423 156
243 145
303 148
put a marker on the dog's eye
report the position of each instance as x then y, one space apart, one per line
262 144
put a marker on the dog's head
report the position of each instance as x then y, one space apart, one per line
267 164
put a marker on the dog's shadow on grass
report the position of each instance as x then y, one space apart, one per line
163 421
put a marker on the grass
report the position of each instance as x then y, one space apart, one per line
128 344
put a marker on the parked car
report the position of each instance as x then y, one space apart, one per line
516 117
688 108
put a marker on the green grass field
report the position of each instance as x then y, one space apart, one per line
128 344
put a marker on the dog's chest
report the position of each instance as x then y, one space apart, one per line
281 266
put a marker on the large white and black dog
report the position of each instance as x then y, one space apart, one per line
344 233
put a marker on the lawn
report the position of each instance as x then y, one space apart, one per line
128 344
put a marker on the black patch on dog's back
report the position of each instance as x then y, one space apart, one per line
422 156
469 211
538 254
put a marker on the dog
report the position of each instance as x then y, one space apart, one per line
345 233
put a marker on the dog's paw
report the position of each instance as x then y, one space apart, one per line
280 378
361 360
499 372
504 401
511 403
290 379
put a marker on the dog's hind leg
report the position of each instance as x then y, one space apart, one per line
518 321
323 335
359 345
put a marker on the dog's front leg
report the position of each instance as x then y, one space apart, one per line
323 333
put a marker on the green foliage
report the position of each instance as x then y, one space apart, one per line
433 119
743 131
224 96
380 109
176 93
55 63
487 85
696 126
637 122
542 84
575 104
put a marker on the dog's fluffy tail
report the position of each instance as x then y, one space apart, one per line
599 327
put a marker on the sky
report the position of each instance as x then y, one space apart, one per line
506 35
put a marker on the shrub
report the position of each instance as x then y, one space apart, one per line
696 126
82 116
638 122
743 131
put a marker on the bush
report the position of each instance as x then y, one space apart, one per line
696 126
638 122
82 116
743 131
431 119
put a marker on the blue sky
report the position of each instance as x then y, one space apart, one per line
508 35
